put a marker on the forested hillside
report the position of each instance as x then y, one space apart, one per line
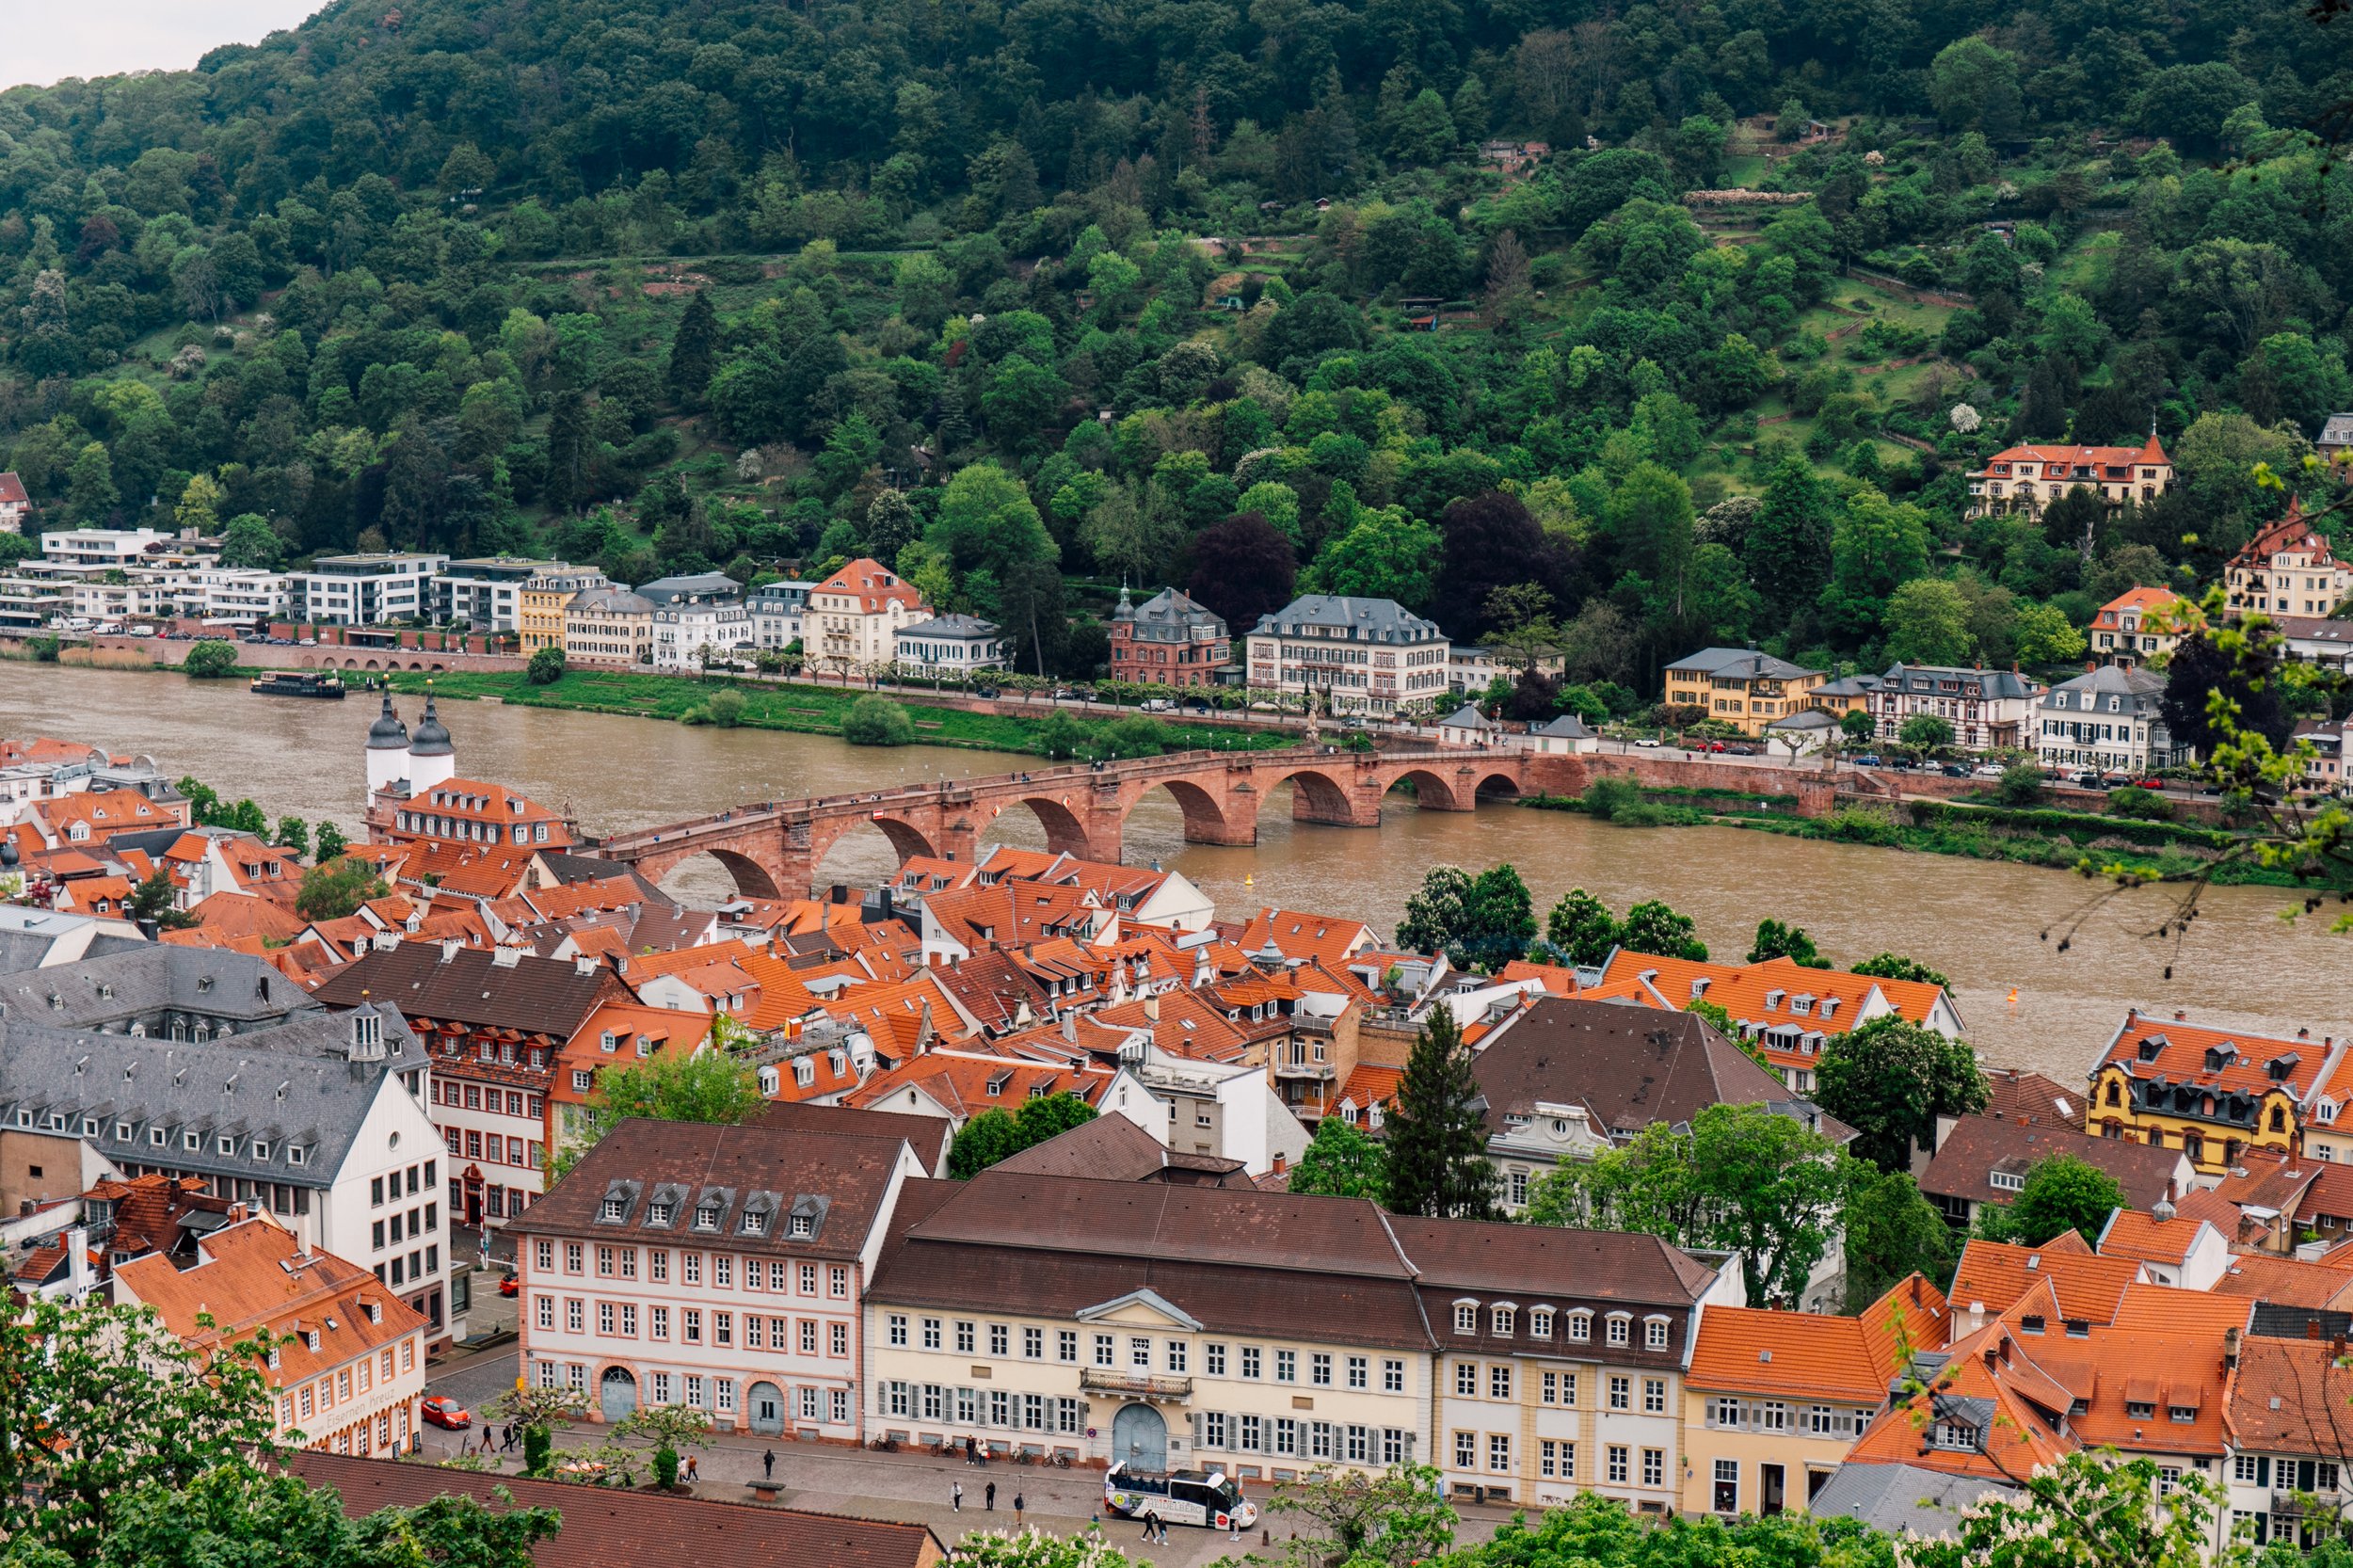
1034 299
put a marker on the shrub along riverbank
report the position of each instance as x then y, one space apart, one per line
2028 835
815 710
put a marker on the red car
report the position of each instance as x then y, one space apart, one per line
442 1411
2151 783
510 1286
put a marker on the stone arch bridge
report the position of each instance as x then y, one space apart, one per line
771 849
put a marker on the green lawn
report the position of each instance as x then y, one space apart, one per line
808 709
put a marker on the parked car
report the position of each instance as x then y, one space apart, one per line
1158 705
1954 769
1064 694
2151 783
442 1411
986 691
1986 770
510 1286
1650 742
1868 759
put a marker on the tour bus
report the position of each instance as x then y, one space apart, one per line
1178 1497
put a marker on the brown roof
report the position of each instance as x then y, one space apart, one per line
1976 1146
929 1136
608 1528
1112 1148
1240 1261
2015 1094
1627 1065
841 1177
537 996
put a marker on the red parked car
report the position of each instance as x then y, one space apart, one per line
509 1286
442 1411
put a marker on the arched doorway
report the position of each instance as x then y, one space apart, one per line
1140 1438
470 1189
617 1394
766 1404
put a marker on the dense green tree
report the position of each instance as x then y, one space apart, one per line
996 1134
210 660
877 721
1436 1140
1582 928
718 1086
1777 941
1889 966
1651 926
1890 1081
333 890
1890 1232
692 347
1342 1162
2061 1194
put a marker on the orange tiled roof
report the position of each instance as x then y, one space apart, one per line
243 915
871 583
2089 1286
966 1083
2143 599
667 1027
1296 933
2072 457
2179 1054
103 813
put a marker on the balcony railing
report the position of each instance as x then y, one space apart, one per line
1304 1069
1138 1385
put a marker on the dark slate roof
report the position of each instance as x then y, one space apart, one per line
1530 1265
1952 680
290 1084
840 1179
1235 1261
609 1527
1893 1497
701 584
1171 616
1112 1148
2139 688
151 978
1568 727
1365 620
1978 1146
1739 663
468 985
568 868
1627 1065
955 627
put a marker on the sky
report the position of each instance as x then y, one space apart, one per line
49 40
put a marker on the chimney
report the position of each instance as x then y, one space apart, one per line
451 946
80 1280
1152 1007
2230 1347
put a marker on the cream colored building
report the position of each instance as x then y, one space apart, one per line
854 619
608 626
1774 1399
1167 1326
1741 687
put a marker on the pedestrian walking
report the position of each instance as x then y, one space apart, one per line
1017 1511
1148 1525
694 1471
989 1499
1163 1524
956 1498
768 1464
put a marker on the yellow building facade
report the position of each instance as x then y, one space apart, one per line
1741 687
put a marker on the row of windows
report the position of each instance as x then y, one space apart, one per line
340 1388
416 1223
1284 1436
620 1319
406 1270
1578 1328
1557 1459
1173 1355
979 1407
469 1144
474 1096
1779 1415
620 1262
388 1187
1558 1387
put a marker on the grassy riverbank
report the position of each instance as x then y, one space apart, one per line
807 708
2062 840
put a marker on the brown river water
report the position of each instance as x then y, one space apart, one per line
1979 921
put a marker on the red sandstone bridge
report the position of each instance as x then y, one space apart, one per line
771 850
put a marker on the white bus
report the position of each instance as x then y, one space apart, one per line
1178 1498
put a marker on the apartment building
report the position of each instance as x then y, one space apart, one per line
697 619
2215 1093
346 1368
608 626
487 592
779 612
854 619
539 606
949 645
1741 687
2109 719
364 590
1560 1356
205 1062
2138 625
2286 569
723 1269
496 1023
1367 656
1168 640
1987 709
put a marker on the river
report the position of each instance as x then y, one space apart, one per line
1979 921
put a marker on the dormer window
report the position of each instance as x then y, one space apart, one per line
1581 1326
614 1208
707 1216
1773 999
1465 1317
755 1221
801 1225
1540 1323
1504 1317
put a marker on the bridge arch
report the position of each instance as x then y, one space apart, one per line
1432 790
751 878
1499 786
1208 819
1065 830
1320 793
